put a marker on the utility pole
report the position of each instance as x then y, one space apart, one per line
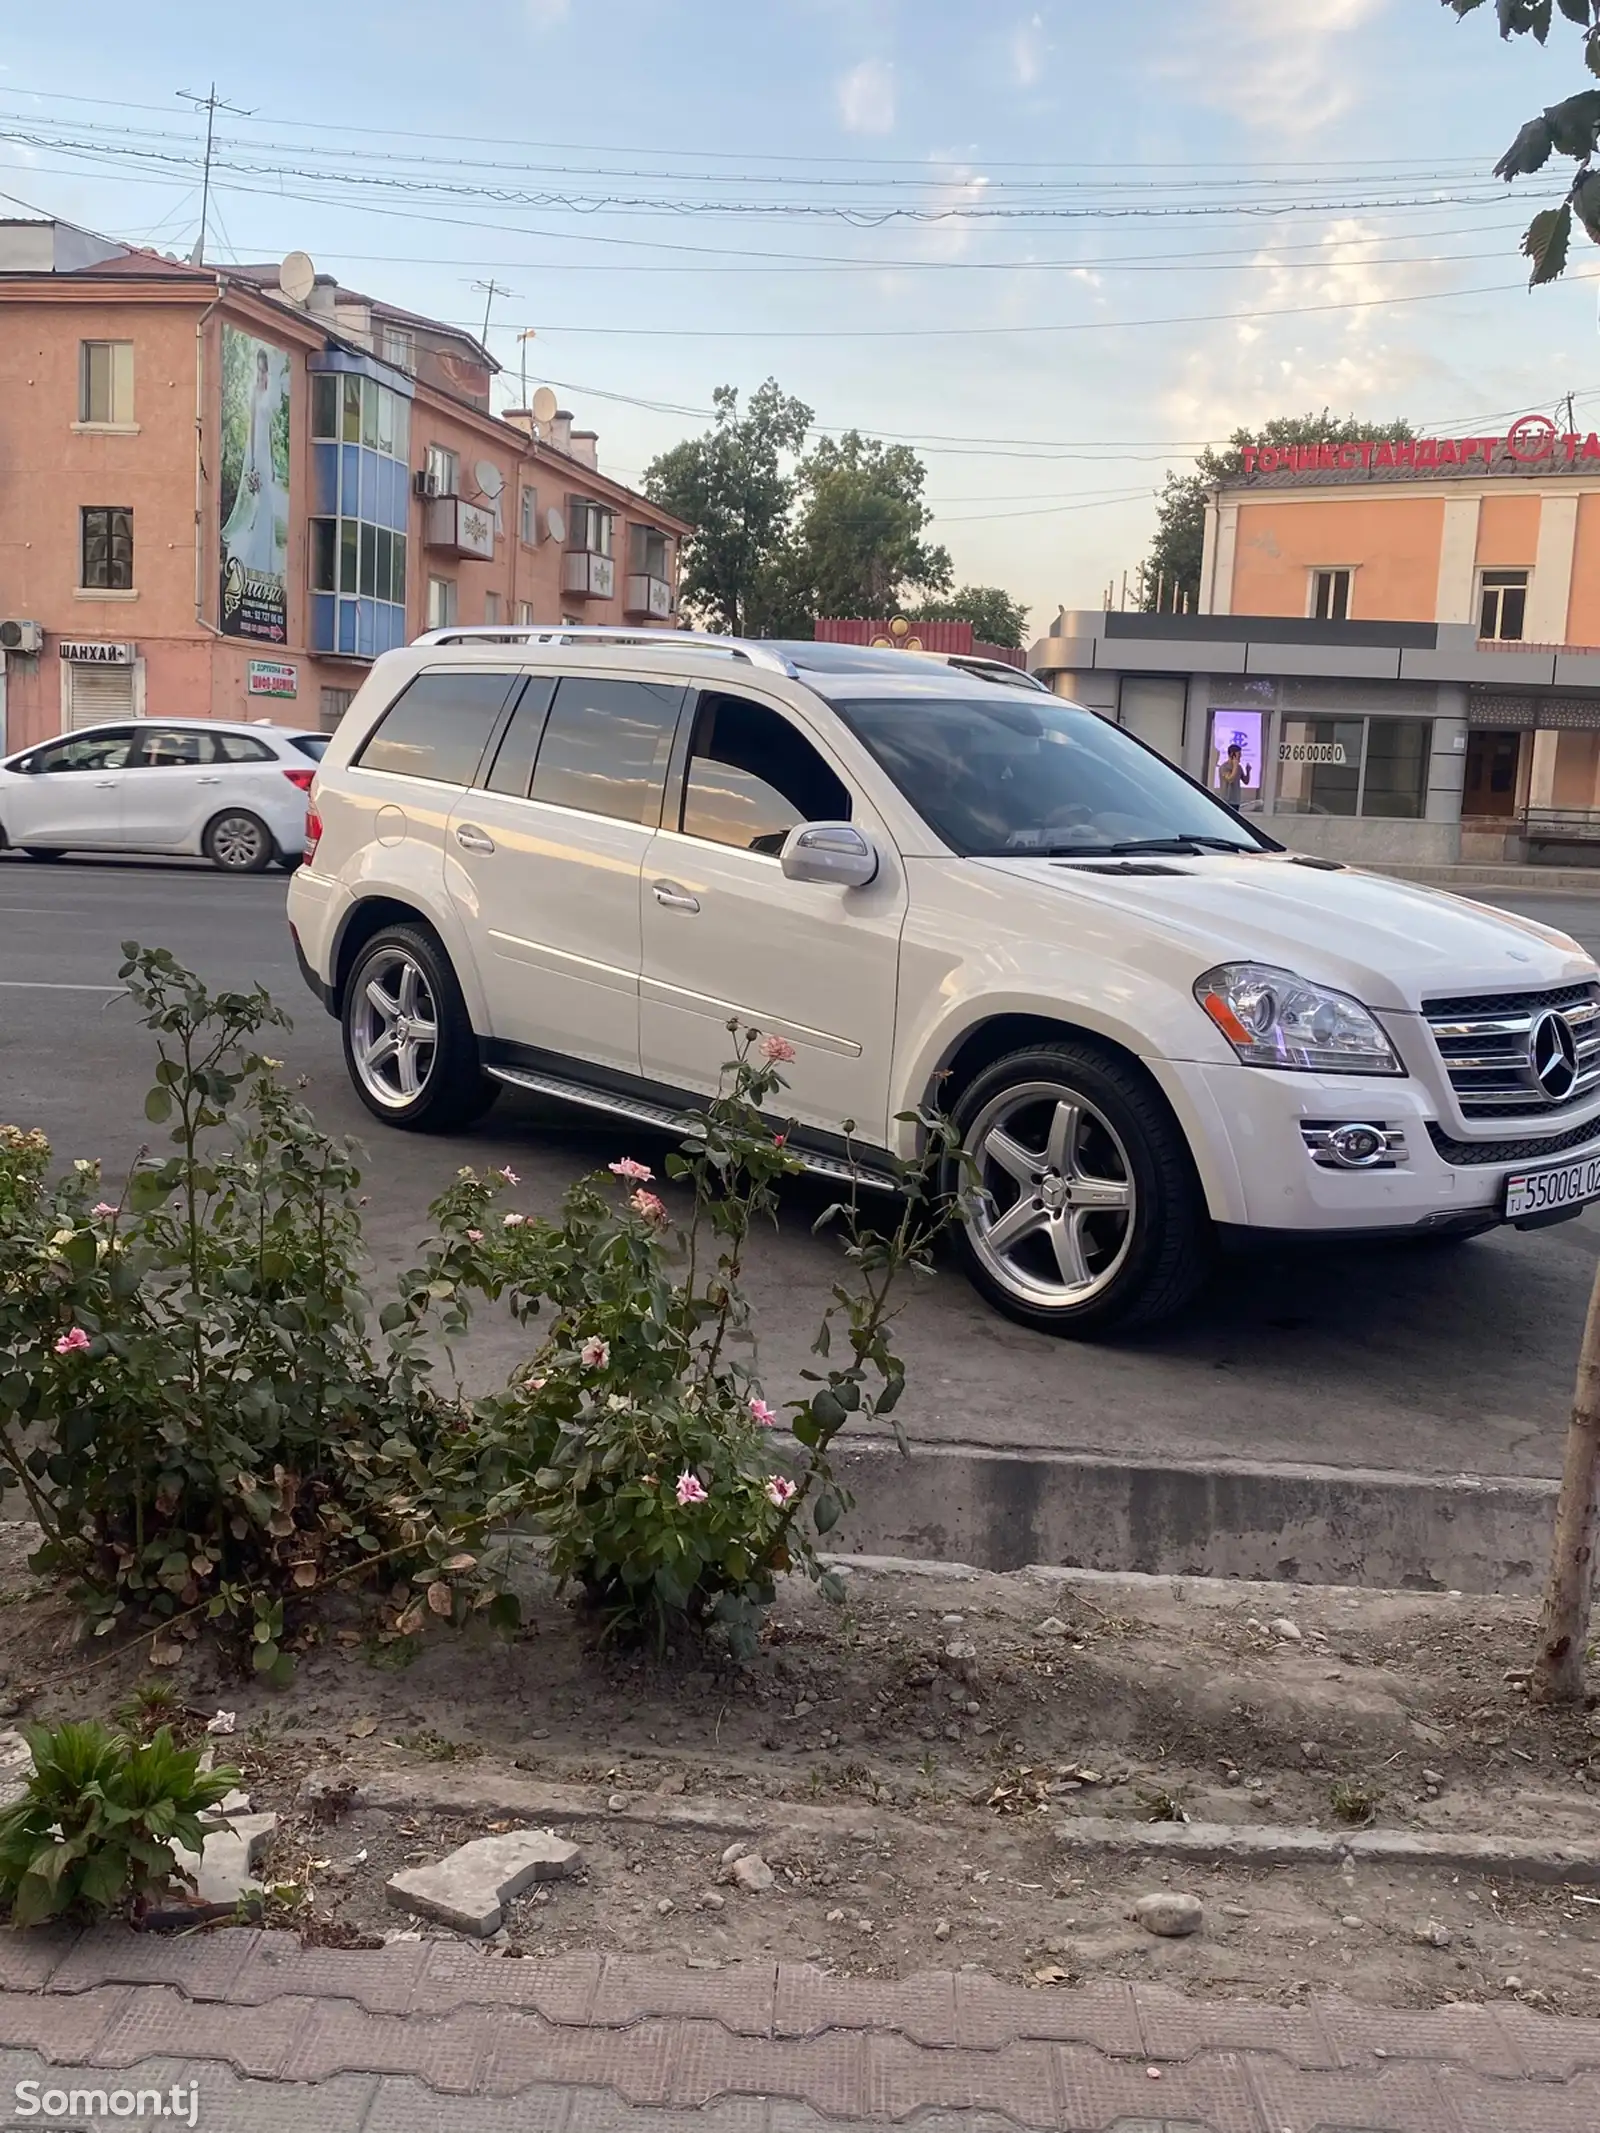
210 104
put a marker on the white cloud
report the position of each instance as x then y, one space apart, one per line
865 97
1028 51
1282 65
545 14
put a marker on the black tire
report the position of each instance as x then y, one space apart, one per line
1124 1205
451 1088
238 842
289 861
42 851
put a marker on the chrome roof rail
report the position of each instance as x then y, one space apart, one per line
752 653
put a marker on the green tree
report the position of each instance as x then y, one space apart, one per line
735 486
995 617
858 537
1570 128
1172 568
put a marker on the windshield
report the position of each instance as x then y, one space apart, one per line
997 777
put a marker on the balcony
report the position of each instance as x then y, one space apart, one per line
452 527
648 596
586 576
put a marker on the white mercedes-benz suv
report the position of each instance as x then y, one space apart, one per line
562 861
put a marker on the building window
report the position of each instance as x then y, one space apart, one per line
589 527
399 347
1504 608
491 607
361 483
441 603
525 613
1354 766
334 704
107 536
649 552
1330 595
444 471
105 383
528 523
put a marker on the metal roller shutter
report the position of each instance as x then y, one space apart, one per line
95 694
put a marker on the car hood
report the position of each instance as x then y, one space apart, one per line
1392 944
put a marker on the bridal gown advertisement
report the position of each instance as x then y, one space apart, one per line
255 488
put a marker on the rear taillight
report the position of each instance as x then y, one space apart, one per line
302 778
313 831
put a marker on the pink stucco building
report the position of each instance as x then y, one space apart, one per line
222 496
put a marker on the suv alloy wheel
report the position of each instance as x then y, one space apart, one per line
408 1040
1092 1216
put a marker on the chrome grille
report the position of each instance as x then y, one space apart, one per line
1486 1044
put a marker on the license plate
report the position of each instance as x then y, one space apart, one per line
1537 1192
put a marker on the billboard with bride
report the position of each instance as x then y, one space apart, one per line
255 488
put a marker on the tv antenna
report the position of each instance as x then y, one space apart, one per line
491 289
210 105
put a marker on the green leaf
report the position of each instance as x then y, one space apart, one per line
1591 51
505 1613
826 1511
1546 243
265 1657
1576 11
1586 203
1530 151
158 1106
1575 124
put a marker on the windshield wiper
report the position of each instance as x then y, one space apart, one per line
1180 844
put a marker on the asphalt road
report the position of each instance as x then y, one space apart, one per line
1430 1360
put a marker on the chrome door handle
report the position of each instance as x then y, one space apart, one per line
472 839
208 781
107 784
673 898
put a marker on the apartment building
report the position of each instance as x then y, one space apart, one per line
225 490
1403 636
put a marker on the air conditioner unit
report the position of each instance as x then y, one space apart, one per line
424 483
21 636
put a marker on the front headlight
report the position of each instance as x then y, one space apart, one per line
1272 1018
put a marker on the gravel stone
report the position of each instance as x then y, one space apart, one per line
1170 1914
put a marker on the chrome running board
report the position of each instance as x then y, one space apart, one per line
665 1120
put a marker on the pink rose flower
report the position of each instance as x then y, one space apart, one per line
474 1236
762 1413
777 1051
535 1384
103 1209
513 1221
510 1176
72 1343
595 1353
635 1173
780 1490
690 1491
647 1204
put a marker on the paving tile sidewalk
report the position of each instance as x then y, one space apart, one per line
442 2036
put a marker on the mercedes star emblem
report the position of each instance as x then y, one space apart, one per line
1553 1056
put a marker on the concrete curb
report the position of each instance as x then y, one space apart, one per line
1491 874
1215 1843
1006 1510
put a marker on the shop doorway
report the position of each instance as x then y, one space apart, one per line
1493 761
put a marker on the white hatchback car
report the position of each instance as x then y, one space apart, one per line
564 864
236 793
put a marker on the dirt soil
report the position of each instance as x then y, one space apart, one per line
907 1765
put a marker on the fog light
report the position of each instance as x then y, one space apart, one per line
1352 1145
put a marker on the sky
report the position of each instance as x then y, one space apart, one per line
1055 247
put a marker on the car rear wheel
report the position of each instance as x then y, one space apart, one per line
1090 1217
239 843
408 1040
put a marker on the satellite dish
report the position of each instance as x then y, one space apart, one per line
490 479
545 405
297 276
555 524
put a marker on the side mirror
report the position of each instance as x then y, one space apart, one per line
832 852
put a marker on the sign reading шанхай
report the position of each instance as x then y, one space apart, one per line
1533 442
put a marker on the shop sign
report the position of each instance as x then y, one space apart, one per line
271 677
1533 442
95 652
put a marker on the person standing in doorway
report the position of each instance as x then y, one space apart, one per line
1231 775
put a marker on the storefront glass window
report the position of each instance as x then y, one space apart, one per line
1353 766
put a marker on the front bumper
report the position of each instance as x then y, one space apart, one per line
1249 1127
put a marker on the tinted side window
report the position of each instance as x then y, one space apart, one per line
512 770
606 747
172 748
243 748
314 745
753 777
439 726
96 751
